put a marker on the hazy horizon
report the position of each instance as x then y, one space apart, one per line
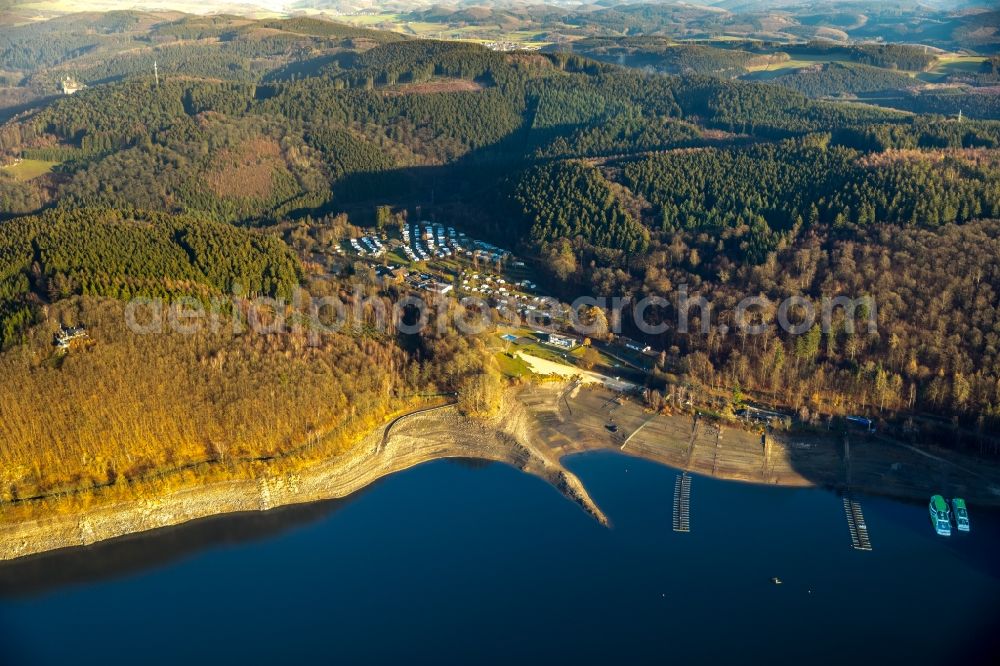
333 7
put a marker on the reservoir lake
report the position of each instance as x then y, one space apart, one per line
458 561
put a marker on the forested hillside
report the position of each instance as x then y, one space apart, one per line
611 180
111 253
182 402
116 45
807 182
667 56
936 347
836 79
899 76
176 408
573 200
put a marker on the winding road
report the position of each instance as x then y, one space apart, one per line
422 410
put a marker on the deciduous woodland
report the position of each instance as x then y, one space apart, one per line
612 180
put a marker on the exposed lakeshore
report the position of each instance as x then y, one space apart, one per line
414 440
572 421
545 423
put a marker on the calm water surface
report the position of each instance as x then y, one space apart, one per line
454 562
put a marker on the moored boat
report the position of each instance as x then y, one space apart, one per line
940 516
961 513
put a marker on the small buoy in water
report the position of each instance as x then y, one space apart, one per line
776 580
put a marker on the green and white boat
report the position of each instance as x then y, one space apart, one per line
940 518
961 514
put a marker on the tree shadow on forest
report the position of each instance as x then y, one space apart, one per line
472 184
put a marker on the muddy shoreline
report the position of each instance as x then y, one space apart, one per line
417 439
539 427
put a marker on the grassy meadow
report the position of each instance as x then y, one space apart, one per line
28 169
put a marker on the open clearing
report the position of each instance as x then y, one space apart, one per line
954 62
545 367
951 64
434 86
798 62
28 169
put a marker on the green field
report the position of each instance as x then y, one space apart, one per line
28 169
798 62
512 367
950 64
954 62
605 363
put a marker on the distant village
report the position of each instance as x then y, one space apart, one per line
507 47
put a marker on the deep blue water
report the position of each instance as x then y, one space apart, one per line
460 563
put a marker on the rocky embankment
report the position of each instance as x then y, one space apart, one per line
412 440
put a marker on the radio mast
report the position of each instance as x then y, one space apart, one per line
156 74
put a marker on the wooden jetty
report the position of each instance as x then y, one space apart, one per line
682 503
856 524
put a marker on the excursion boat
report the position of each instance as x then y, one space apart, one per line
961 514
940 516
